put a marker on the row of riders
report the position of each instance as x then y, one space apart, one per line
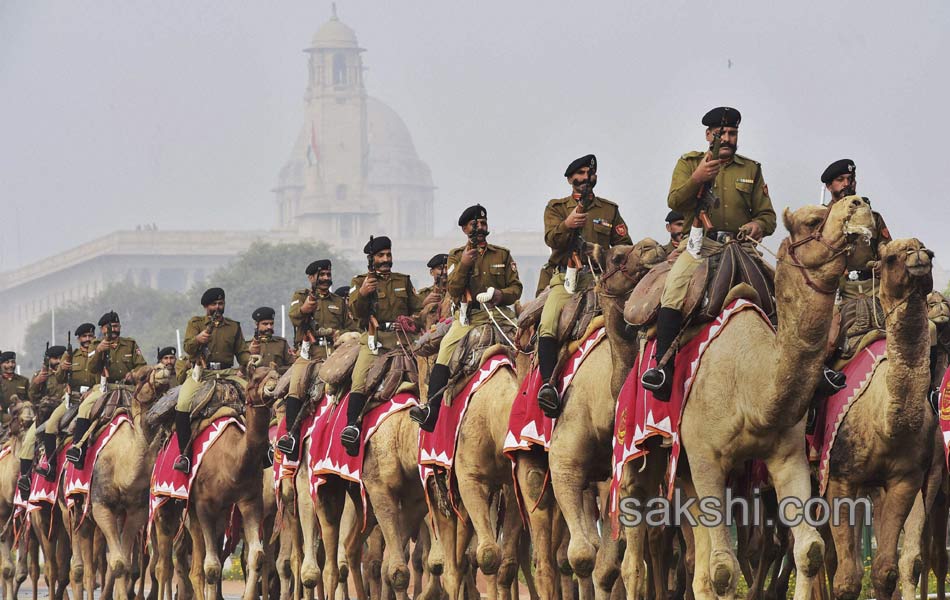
719 201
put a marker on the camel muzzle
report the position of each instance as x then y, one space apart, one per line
919 262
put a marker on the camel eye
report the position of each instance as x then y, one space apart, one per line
890 259
813 222
616 259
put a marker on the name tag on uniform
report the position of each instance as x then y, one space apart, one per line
601 222
740 180
333 307
128 356
399 289
499 265
91 354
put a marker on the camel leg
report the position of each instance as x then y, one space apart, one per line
307 515
568 476
34 551
910 564
639 486
391 522
373 559
251 510
846 580
164 533
355 540
530 470
203 555
417 560
332 497
937 539
788 467
716 566
511 529
475 492
897 505
8 568
447 533
609 554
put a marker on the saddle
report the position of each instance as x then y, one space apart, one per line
860 316
388 372
212 396
574 320
336 369
711 285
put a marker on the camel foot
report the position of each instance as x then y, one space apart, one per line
813 558
581 555
344 572
399 577
564 567
8 572
309 575
723 567
885 581
489 557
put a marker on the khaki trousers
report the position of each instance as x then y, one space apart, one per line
28 449
190 387
554 304
457 331
365 359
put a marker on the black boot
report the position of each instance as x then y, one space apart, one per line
350 436
23 481
289 443
934 398
427 416
548 397
77 452
47 465
831 382
183 429
660 381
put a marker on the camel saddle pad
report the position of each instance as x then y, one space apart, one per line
577 314
388 372
943 414
77 481
461 374
644 301
117 397
337 368
531 312
428 344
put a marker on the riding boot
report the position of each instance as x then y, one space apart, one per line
427 416
831 382
23 482
289 442
548 397
47 465
660 381
77 452
350 436
183 429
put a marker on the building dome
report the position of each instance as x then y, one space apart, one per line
392 155
334 34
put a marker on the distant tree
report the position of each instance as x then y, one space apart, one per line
267 275
264 275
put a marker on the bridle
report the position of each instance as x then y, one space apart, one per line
789 249
633 277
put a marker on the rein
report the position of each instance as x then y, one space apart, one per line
622 269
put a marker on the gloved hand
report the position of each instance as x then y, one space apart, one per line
487 296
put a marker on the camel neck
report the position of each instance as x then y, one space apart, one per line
908 359
257 424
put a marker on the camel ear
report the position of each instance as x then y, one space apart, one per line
787 219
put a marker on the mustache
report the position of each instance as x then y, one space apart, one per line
586 183
325 282
269 331
676 236
724 144
386 263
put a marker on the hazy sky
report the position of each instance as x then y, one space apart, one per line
182 113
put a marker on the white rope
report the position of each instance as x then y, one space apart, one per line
495 323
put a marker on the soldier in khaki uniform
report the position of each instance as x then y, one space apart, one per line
437 267
213 342
11 384
167 357
564 220
272 349
113 360
675 226
482 278
319 316
44 382
383 299
740 207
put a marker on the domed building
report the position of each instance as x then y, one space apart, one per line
353 171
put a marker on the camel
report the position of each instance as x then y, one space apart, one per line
120 482
21 417
582 441
222 481
49 523
736 413
879 441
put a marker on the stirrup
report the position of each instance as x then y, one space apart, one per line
419 414
654 379
831 381
934 398
286 443
268 460
182 464
45 468
76 454
549 401
350 438
24 483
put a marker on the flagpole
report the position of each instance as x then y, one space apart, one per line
52 325
283 322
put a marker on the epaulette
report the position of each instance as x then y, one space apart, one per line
751 160
302 291
554 201
606 201
693 154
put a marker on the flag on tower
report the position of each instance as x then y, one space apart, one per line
313 153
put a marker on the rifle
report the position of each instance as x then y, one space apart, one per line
309 325
372 325
705 199
467 295
576 262
205 352
46 358
69 371
106 358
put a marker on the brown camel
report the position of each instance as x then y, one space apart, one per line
886 437
582 442
21 417
222 482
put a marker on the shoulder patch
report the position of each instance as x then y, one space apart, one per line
621 229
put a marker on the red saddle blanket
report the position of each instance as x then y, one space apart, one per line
833 409
327 456
944 414
284 468
639 416
167 483
437 449
527 425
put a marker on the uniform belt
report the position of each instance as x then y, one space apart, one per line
474 305
719 235
214 366
860 275
387 326
563 268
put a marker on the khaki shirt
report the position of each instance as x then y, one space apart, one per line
395 298
82 375
226 343
493 268
275 350
331 312
669 247
51 387
17 385
740 187
123 359
604 226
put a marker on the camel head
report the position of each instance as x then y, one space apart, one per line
820 237
21 415
938 308
151 382
626 265
905 268
262 385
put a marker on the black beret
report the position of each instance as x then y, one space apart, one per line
166 351
109 318
714 118
838 168
377 244
471 213
212 295
55 351
437 260
264 313
85 328
318 265
8 355
674 216
343 291
585 161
